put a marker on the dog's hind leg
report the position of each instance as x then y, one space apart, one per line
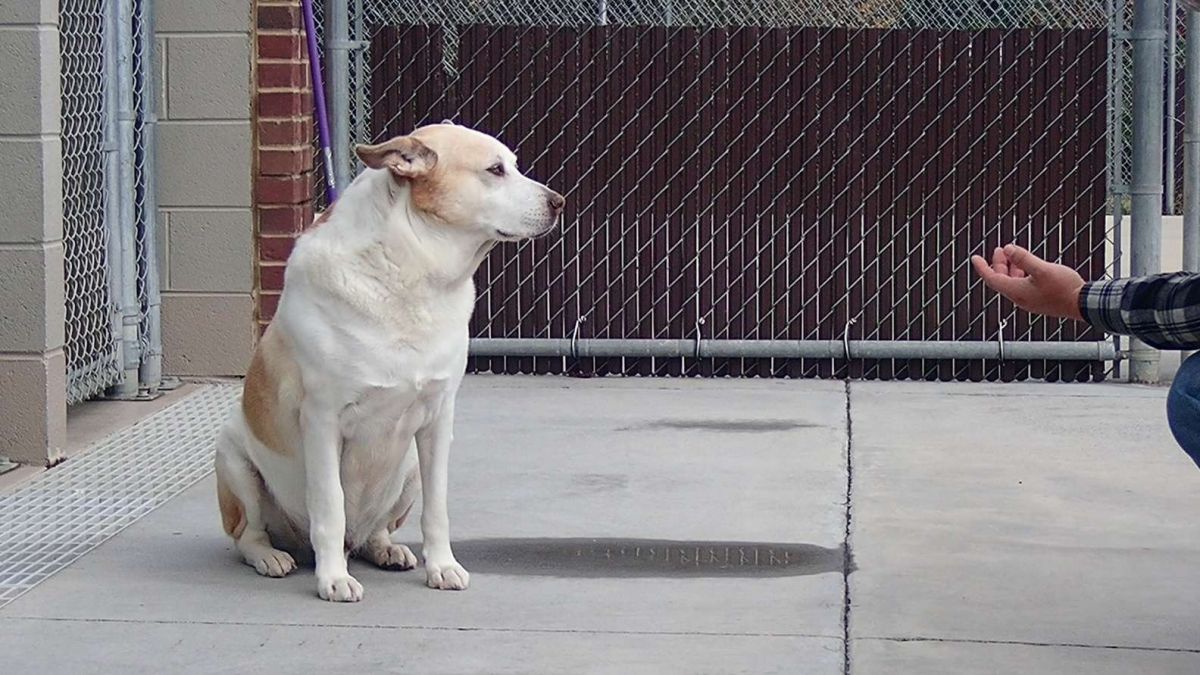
379 548
241 496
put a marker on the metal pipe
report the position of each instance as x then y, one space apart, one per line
1191 147
150 372
1171 120
112 180
314 69
792 349
1118 186
362 116
337 49
1147 184
131 310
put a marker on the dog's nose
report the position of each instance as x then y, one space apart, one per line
556 201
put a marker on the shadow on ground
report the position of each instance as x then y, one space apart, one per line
645 558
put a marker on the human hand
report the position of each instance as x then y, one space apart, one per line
1031 283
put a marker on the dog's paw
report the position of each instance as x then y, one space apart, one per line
271 562
393 557
447 577
340 589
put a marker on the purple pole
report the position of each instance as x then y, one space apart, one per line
314 66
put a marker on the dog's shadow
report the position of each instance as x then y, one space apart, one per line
596 558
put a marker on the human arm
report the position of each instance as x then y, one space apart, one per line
1162 310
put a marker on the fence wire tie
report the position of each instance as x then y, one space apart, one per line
699 337
1000 338
349 45
846 337
575 337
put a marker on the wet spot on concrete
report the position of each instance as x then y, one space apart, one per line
599 482
639 558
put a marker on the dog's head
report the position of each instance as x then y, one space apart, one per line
466 179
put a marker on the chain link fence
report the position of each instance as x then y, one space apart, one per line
769 171
108 212
93 357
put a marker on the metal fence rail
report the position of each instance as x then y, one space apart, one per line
112 328
797 174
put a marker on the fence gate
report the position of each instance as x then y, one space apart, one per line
752 180
113 342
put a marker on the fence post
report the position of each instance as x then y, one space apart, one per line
112 178
150 372
1191 147
337 49
126 224
1147 185
1171 121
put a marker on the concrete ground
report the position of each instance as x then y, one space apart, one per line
686 526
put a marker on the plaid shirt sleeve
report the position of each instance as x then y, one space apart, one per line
1161 310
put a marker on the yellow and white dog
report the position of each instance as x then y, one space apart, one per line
347 411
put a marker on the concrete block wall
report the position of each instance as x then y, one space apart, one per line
33 408
205 167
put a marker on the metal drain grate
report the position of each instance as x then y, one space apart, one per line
73 508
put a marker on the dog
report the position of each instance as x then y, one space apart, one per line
347 409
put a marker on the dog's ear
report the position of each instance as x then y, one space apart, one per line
404 156
450 122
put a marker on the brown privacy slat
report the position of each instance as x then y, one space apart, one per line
773 183
590 44
845 234
744 72
1095 197
892 58
995 97
1035 197
922 62
561 102
683 103
1068 167
945 196
608 60
775 270
832 43
715 77
864 199
1020 47
908 51
969 210
536 134
635 229
802 264
984 55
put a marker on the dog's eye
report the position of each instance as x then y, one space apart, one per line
496 169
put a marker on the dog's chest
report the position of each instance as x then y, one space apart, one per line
398 411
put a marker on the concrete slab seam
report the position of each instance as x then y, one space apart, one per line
418 627
847 553
1027 643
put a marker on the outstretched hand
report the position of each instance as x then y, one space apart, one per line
1031 283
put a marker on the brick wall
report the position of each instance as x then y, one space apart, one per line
283 180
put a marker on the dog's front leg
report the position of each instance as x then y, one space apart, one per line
433 450
326 504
